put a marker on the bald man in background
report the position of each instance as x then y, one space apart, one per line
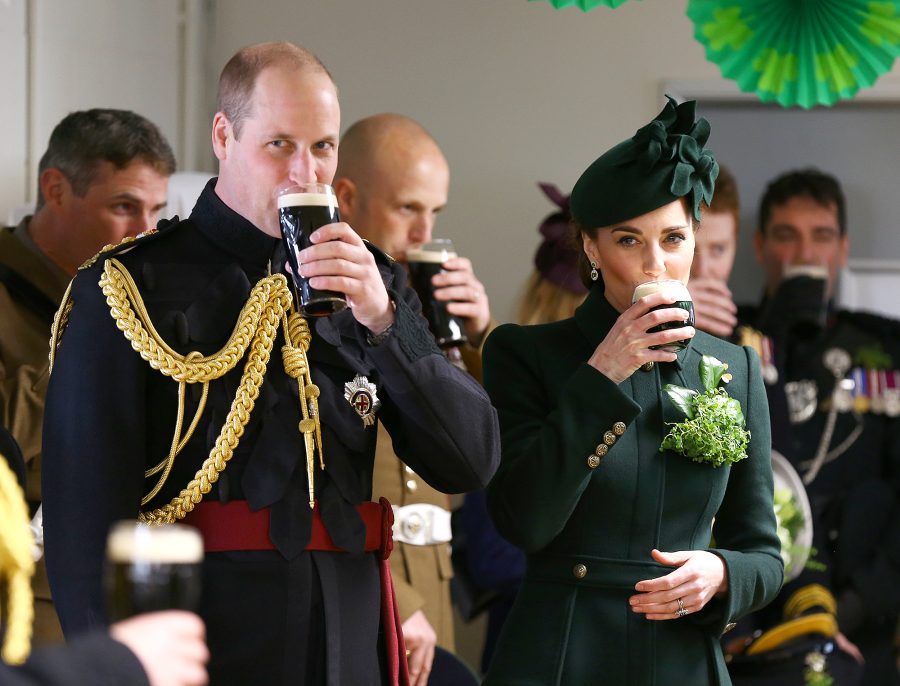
391 182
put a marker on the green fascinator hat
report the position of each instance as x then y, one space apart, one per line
664 161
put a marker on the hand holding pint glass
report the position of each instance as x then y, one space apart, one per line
152 568
302 209
682 296
424 262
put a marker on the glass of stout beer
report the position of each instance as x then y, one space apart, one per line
152 568
682 299
423 263
301 210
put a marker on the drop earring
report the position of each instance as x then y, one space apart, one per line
594 273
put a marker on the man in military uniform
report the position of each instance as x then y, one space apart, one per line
392 181
103 176
838 372
275 450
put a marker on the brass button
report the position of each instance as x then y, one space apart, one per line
580 571
609 438
593 461
647 366
619 428
601 450
411 485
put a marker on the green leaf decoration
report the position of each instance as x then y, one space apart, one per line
711 371
713 432
799 52
584 5
682 398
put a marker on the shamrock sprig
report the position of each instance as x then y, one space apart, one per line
714 430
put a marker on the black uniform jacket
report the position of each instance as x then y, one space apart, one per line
589 524
94 659
110 417
855 497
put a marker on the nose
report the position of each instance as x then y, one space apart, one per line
654 265
421 228
143 220
302 168
806 253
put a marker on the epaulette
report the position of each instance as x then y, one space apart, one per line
163 226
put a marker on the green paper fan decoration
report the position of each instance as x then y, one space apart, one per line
584 5
799 52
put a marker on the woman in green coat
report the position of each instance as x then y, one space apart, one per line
639 556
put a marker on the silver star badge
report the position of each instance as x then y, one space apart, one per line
361 394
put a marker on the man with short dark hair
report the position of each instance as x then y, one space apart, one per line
103 177
185 386
839 371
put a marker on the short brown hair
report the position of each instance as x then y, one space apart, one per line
238 78
726 198
85 139
823 189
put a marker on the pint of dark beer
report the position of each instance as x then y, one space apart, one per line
682 299
152 568
423 263
301 210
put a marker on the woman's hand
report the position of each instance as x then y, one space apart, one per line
699 576
627 345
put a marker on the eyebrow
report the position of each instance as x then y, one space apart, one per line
136 200
791 227
634 230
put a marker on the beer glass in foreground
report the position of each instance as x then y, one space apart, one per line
423 263
682 299
151 568
301 210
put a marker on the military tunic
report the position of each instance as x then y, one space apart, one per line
287 616
855 494
24 347
588 525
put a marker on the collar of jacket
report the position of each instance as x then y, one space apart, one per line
595 317
232 232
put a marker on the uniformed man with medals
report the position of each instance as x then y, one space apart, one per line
837 372
187 386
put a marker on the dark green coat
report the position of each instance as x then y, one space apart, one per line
554 411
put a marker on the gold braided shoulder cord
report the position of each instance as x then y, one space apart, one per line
60 320
16 568
268 305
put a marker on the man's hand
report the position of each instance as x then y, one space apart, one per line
171 646
339 261
420 639
714 306
466 296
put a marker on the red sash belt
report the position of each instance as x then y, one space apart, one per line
234 526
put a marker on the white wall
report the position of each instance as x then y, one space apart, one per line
13 91
58 56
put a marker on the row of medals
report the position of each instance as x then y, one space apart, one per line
864 390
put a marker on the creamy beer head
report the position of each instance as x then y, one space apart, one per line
424 262
437 251
673 288
812 271
171 544
307 200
